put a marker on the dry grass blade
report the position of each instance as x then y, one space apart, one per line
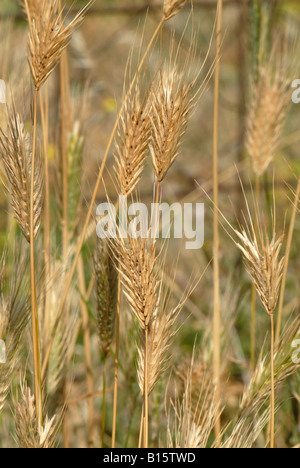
14 317
251 421
259 387
48 36
246 430
132 142
107 294
16 154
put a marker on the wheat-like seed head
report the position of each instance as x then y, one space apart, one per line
30 435
264 265
172 7
162 329
48 36
194 410
132 143
267 111
16 154
62 351
138 262
107 295
34 6
196 374
171 103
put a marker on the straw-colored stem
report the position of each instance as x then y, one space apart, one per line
141 428
103 401
286 262
34 310
115 402
146 394
66 421
272 407
47 249
64 154
216 237
253 328
93 199
87 351
253 290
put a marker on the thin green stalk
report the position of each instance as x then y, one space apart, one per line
115 402
87 350
255 29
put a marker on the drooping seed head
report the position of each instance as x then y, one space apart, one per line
172 7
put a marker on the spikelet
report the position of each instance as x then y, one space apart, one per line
138 271
16 155
107 293
192 414
264 265
268 105
172 100
162 330
28 434
48 36
197 374
132 142
172 7
34 6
